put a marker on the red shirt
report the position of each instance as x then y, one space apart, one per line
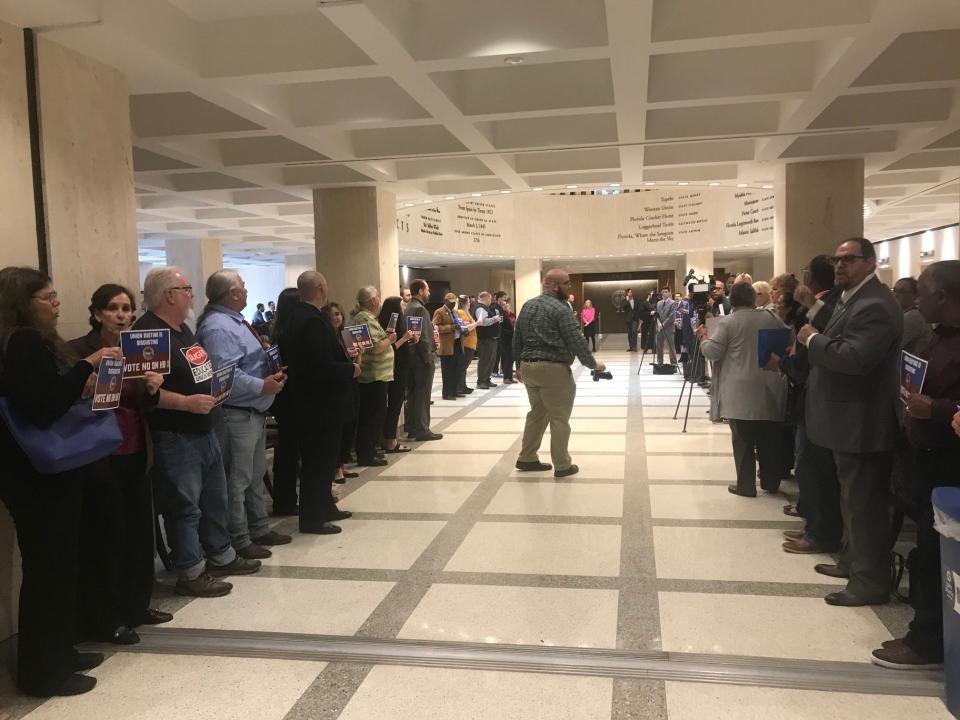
942 383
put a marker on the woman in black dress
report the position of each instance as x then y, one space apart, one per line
349 437
42 379
397 389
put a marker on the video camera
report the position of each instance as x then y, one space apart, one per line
698 291
598 376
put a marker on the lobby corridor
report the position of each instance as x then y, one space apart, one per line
461 588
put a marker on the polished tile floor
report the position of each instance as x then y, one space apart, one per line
643 550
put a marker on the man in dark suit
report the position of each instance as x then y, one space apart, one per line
819 498
851 408
631 314
320 375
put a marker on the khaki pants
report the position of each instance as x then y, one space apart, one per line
551 391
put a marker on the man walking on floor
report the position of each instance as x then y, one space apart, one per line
545 341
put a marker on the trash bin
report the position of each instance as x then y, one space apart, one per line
946 519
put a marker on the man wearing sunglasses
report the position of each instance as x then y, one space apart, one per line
851 409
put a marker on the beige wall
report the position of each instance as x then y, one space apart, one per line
88 179
18 246
18 233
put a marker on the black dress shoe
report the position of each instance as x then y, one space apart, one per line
566 472
834 571
466 391
429 436
72 685
82 661
449 397
483 386
341 515
371 462
848 599
350 475
340 480
155 617
285 511
733 489
326 528
534 465
124 636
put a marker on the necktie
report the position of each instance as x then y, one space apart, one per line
254 333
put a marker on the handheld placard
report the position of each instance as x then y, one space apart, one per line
106 393
221 383
145 351
274 364
392 325
913 372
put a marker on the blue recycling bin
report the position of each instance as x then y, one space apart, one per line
946 509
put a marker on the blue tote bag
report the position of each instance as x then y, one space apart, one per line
77 438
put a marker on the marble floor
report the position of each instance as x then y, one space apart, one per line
644 550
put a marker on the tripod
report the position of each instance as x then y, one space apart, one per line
688 383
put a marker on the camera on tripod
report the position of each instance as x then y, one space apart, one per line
598 376
698 292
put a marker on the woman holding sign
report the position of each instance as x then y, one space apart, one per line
376 372
41 381
116 525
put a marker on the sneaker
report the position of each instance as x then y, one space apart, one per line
272 538
239 566
203 586
254 552
897 655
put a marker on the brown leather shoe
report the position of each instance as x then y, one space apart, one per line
803 547
794 534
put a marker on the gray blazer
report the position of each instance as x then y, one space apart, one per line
665 311
852 391
742 390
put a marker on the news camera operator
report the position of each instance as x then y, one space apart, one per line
545 341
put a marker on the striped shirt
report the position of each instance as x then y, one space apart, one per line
547 330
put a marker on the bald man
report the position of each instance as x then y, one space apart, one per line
319 387
545 342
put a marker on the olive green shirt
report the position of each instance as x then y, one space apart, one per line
374 367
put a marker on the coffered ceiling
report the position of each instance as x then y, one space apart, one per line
240 108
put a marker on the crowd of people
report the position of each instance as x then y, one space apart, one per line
867 450
87 533
831 407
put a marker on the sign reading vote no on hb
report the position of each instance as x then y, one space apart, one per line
145 351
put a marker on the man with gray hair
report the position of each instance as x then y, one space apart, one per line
189 481
488 317
242 424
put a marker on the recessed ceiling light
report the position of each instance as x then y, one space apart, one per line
538 189
408 204
741 184
450 197
714 184
572 187
614 184
504 192
649 183
427 201
768 187
475 194
683 182
513 60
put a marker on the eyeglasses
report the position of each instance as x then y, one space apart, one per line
185 288
845 259
46 297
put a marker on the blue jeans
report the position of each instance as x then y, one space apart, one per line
243 440
191 491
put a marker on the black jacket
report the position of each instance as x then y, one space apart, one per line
320 374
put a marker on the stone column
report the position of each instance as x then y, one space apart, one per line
198 259
527 279
88 179
701 262
818 206
357 242
18 227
